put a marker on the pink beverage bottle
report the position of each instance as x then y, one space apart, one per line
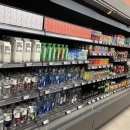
24 112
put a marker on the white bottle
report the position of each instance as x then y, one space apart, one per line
26 50
5 51
36 51
17 49
1 51
85 54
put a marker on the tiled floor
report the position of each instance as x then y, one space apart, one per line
121 122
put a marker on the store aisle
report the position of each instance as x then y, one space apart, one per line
121 122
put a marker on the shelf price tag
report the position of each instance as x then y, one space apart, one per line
80 62
26 97
89 82
45 122
94 67
83 83
47 91
89 102
79 107
51 63
76 85
101 97
100 42
29 64
94 54
93 101
104 54
74 62
65 62
1 65
100 67
68 112
99 54
64 88
98 99
86 61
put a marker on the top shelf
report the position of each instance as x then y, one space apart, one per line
55 35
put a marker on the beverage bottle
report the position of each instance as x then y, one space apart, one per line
53 55
49 52
44 52
57 77
48 103
62 52
51 77
62 75
37 106
82 73
1 120
83 52
66 52
58 51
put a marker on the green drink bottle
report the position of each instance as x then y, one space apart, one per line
58 52
53 56
62 52
44 51
49 52
66 53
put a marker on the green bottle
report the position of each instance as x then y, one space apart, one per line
62 52
53 54
44 51
58 52
66 53
49 52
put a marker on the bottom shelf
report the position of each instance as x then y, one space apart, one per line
75 111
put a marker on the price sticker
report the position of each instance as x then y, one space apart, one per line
104 54
68 112
76 85
29 64
51 63
65 62
99 54
26 97
86 61
94 54
74 62
1 65
89 102
101 97
47 91
96 41
64 88
45 122
93 101
100 66
83 83
79 107
94 81
89 82
94 67
98 99
100 42
80 62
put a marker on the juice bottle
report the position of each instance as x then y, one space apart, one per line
44 51
49 52
53 54
58 52
62 52
66 52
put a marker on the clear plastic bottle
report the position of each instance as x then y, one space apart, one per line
1 119
49 52
53 55
44 51
58 51
62 52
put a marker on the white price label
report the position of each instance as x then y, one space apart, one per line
101 97
1 65
51 63
76 85
104 66
104 96
80 62
74 62
94 67
100 66
86 61
89 102
26 97
89 82
94 54
100 42
99 54
83 83
79 107
93 101
96 41
47 91
29 64
104 54
45 122
68 112
94 81
97 99
64 88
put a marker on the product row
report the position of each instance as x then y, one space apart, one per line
102 87
98 61
15 115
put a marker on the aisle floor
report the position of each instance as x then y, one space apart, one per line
121 122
